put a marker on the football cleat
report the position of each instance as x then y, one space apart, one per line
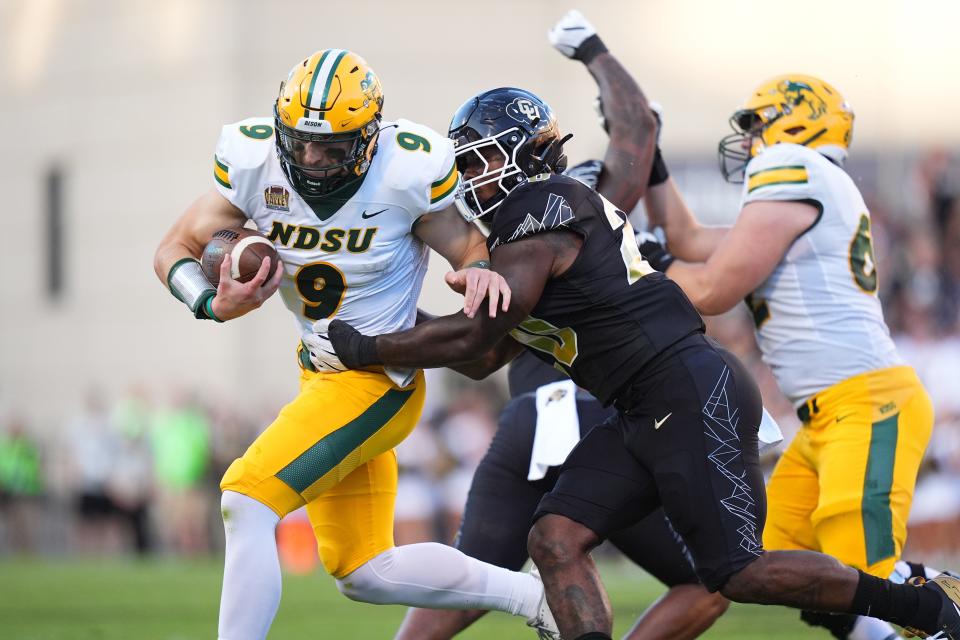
947 587
544 623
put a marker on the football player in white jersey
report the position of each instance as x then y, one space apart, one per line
352 205
801 254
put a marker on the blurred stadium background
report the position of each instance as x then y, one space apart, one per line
119 412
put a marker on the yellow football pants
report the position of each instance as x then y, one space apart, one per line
845 484
331 448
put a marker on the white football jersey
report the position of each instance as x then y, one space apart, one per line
818 317
360 263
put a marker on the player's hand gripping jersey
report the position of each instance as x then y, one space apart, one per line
359 262
818 317
603 319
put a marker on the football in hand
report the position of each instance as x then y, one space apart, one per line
247 249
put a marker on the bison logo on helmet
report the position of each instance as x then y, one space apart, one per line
369 86
523 110
800 93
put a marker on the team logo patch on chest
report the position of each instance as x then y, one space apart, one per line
276 198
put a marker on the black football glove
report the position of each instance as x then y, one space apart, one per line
354 349
654 251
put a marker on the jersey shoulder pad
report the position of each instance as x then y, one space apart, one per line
243 150
782 172
419 162
588 172
541 204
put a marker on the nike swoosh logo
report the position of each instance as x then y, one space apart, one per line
366 215
658 423
839 418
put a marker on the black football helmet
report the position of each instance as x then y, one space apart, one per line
502 136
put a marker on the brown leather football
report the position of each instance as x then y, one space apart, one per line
247 248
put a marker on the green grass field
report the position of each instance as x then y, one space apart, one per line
69 599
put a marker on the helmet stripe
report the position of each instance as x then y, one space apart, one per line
329 79
316 73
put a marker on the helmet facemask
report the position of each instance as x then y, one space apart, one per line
348 156
488 161
746 141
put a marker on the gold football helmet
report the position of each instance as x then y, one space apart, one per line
327 120
793 108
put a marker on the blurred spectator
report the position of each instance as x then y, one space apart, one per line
949 234
21 489
92 448
180 438
466 433
422 461
130 485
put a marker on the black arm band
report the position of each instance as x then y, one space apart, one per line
658 171
590 49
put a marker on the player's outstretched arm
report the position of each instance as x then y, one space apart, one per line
746 257
626 113
502 353
456 339
465 248
175 263
687 238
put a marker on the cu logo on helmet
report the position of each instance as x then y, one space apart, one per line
523 110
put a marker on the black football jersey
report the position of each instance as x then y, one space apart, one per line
610 313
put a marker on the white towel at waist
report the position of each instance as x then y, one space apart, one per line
558 427
770 434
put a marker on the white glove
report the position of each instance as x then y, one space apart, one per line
569 33
321 351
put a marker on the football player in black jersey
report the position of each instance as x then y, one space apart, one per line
684 436
502 500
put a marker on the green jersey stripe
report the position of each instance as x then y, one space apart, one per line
453 167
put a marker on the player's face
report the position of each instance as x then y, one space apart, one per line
484 160
322 156
751 126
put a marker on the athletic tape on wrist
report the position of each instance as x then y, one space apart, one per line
188 285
